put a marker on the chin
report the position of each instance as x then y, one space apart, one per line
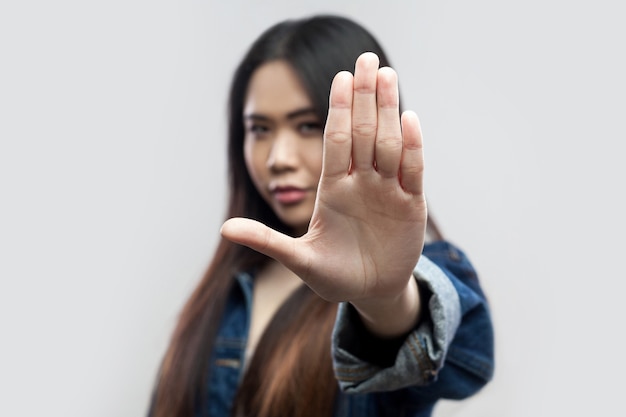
296 218
297 228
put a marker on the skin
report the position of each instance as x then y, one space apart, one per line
367 227
283 151
283 143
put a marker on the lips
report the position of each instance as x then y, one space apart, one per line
289 194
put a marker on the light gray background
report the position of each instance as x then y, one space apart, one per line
112 121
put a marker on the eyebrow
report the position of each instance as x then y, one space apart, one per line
290 116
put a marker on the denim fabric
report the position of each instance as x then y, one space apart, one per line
449 355
421 356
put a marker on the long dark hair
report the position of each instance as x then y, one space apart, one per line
316 48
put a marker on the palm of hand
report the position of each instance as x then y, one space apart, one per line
367 229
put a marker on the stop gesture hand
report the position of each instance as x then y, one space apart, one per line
367 229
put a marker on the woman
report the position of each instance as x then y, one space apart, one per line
338 206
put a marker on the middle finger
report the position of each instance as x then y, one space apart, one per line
364 111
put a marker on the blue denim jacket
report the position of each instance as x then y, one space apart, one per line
449 355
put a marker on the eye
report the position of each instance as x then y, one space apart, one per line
258 130
310 128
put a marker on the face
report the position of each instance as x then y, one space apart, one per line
283 143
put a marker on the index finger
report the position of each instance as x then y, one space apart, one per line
338 130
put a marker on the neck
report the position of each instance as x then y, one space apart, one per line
272 286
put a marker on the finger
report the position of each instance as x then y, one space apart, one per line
338 130
261 238
388 146
412 163
364 111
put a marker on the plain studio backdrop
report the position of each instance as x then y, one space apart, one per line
112 185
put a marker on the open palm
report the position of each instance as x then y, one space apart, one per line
367 229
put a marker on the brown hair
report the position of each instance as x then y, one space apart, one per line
291 371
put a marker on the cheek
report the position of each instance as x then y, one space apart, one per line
252 159
314 159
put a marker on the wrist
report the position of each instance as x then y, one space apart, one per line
392 316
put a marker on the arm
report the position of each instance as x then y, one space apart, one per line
393 316
448 355
367 229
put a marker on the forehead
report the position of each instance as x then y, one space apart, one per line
275 90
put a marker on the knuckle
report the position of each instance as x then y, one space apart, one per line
365 88
337 136
412 171
364 128
389 142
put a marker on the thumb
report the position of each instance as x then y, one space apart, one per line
261 238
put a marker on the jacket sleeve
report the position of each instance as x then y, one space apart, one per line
448 355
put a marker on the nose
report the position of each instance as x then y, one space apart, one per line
283 155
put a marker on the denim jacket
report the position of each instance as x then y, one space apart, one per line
448 355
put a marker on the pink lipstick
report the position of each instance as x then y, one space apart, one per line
289 195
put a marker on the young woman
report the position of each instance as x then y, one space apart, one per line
322 298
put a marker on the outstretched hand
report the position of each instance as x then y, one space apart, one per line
367 229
